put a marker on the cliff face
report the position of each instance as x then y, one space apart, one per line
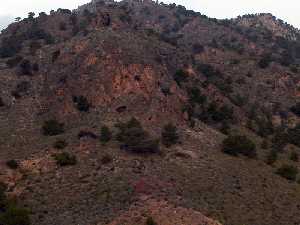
107 62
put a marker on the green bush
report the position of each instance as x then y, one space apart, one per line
10 46
1 102
294 135
106 159
294 156
235 145
60 144
10 213
150 221
169 135
272 157
287 171
195 96
11 63
217 114
265 61
12 164
198 48
14 215
26 67
265 144
52 128
134 138
180 76
209 71
105 135
280 140
296 109
65 159
81 103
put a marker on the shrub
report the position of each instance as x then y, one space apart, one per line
169 135
296 109
106 159
52 128
294 135
235 145
55 55
10 213
81 103
12 164
25 67
60 144
1 102
105 135
287 171
280 140
180 76
10 46
11 63
208 70
62 26
198 48
265 61
15 215
239 100
195 96
134 138
294 156
21 89
65 159
272 157
150 221
216 114
265 144
34 46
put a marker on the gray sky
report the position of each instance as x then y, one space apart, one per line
288 10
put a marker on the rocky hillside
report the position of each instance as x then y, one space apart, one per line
135 112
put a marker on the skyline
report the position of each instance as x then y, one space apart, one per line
283 10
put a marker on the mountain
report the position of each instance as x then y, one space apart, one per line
135 112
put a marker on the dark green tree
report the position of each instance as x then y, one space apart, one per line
287 171
169 135
235 145
52 128
135 139
105 135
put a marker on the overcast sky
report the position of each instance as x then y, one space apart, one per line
288 10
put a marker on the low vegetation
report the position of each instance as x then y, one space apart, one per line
150 221
12 164
60 144
10 212
294 156
52 128
105 135
236 145
106 159
287 171
272 157
134 138
180 77
296 109
169 135
81 103
65 159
